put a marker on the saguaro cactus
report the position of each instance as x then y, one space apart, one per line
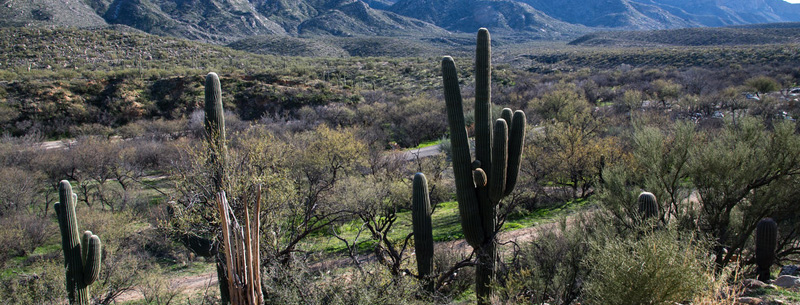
482 183
214 124
648 206
423 232
766 242
81 255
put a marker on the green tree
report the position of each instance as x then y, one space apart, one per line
737 174
666 91
762 84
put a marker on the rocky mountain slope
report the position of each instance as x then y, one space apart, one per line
226 21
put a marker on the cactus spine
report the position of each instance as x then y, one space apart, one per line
423 232
766 242
81 254
480 185
648 206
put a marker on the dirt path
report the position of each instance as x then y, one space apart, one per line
190 284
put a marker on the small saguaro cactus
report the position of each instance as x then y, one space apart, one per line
648 206
766 242
423 232
81 254
483 182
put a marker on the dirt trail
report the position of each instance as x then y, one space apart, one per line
185 285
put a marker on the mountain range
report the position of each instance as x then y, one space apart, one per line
226 21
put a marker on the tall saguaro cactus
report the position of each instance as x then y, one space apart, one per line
423 232
483 182
766 242
81 254
214 124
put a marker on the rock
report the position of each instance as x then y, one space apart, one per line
787 281
793 270
753 284
749 301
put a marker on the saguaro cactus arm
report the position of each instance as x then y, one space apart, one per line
516 141
500 155
462 163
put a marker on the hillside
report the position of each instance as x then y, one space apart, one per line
226 21
499 16
623 14
749 35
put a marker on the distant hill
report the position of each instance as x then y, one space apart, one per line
745 35
48 12
227 21
333 46
667 14
498 15
625 14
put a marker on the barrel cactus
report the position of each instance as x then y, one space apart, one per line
648 206
81 254
482 183
766 242
423 232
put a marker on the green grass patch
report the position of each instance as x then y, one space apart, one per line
426 144
47 249
524 219
445 220
191 268
446 226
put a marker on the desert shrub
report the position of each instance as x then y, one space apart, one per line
661 267
44 284
455 285
299 285
92 129
551 269
156 289
23 233
19 190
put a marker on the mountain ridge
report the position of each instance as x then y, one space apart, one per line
226 21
